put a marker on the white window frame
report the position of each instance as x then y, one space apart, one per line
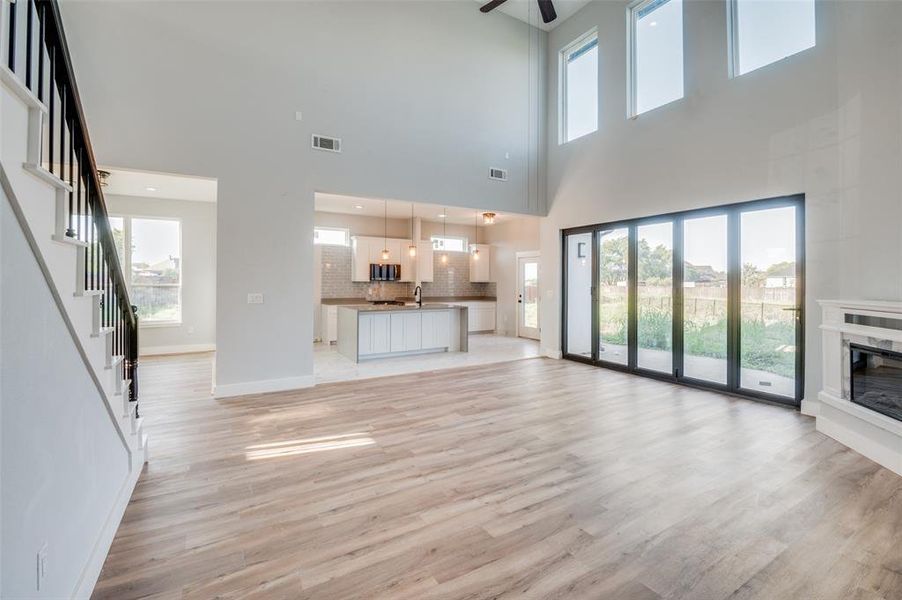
563 55
438 242
346 232
126 264
733 41
632 96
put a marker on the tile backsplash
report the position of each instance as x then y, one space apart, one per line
452 279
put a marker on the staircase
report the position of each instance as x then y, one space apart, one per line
49 175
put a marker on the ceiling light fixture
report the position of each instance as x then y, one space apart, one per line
476 229
488 218
385 253
358 206
412 248
104 177
150 189
444 216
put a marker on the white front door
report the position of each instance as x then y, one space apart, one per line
528 297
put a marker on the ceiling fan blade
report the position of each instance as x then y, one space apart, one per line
547 10
491 5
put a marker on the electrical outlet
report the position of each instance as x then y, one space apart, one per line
255 298
41 566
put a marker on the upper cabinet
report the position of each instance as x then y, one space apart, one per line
368 250
424 262
360 259
481 264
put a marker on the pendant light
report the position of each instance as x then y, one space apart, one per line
476 229
444 235
412 248
488 218
385 253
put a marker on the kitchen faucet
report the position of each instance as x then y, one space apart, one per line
418 296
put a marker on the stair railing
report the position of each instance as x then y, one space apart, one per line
38 55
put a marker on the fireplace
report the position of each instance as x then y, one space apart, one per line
876 379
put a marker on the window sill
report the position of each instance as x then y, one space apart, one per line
157 324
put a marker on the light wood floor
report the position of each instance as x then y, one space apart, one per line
528 479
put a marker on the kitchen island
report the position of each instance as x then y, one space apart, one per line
367 331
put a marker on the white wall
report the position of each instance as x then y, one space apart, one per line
198 221
426 96
63 463
826 122
507 239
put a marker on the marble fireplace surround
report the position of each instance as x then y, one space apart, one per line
868 432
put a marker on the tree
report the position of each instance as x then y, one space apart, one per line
751 276
613 260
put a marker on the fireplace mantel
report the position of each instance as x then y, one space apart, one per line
874 435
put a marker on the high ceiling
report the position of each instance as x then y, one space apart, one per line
528 11
376 207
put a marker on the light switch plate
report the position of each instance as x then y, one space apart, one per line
255 298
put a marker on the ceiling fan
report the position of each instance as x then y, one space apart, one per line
545 7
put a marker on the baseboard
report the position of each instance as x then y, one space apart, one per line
91 572
810 407
264 386
181 349
556 354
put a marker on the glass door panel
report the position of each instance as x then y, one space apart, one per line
613 295
654 325
528 297
578 282
705 298
769 313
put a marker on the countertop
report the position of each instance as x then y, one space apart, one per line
396 307
362 301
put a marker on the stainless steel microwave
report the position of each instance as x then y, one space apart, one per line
385 272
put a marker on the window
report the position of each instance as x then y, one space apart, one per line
449 243
331 236
150 253
765 31
656 54
579 88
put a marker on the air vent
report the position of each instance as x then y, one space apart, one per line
321 142
498 174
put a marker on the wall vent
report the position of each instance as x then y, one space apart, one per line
498 174
321 142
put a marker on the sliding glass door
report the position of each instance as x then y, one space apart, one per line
613 296
705 299
577 333
711 297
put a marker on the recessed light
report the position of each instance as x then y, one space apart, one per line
358 206
151 189
654 23
441 216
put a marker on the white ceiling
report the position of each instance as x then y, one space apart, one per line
397 209
146 184
528 11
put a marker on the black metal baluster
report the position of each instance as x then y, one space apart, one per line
51 109
29 41
41 19
12 38
77 213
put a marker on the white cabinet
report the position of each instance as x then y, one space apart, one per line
329 324
480 315
406 331
481 268
374 334
436 329
407 262
424 261
360 259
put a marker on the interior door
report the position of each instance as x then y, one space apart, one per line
528 297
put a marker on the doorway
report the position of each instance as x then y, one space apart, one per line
711 297
528 295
